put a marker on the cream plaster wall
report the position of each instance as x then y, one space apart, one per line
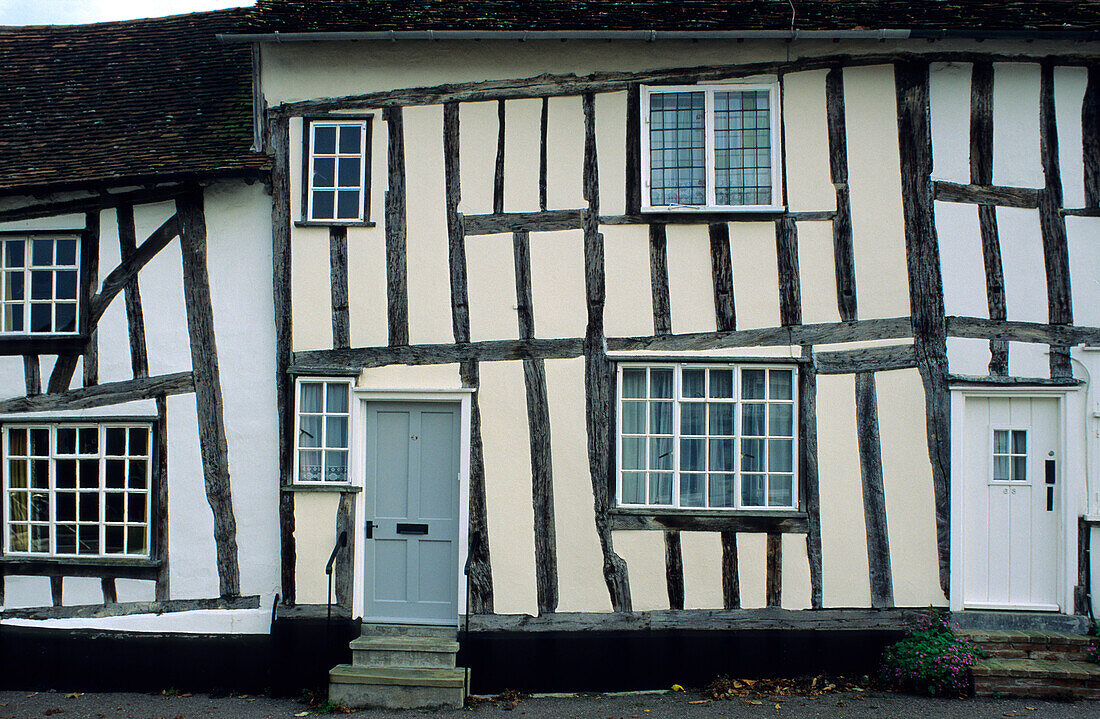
628 306
557 283
874 176
644 554
491 287
611 120
702 559
522 136
796 572
817 272
752 565
806 132
478 126
755 273
691 297
314 538
565 145
399 376
367 313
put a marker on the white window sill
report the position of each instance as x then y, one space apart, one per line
713 209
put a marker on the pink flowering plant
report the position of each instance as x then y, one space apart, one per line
931 659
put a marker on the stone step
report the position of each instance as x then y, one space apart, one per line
434 631
1036 678
1021 621
1044 645
396 688
403 651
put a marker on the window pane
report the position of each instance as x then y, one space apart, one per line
116 441
135 508
336 432
1000 469
17 442
691 490
752 420
742 141
66 317
66 440
309 466
17 473
66 539
87 539
14 286
1019 468
324 202
660 453
114 505
42 252
65 474
721 418
752 455
780 490
89 473
660 418
752 384
40 442
781 420
114 538
634 383
1019 441
721 493
634 417
692 455
324 139
19 538
722 454
41 321
633 488
88 507
40 507
135 540
694 383
692 418
1000 441
780 384
348 174
336 397
40 539
114 473
324 172
349 139
660 489
311 397
752 490
660 383
18 505
66 285
139 442
309 431
138 474
780 455
721 383
348 207
14 253
634 453
89 440
336 466
66 252
40 474
677 126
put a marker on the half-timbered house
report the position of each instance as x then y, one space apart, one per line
682 316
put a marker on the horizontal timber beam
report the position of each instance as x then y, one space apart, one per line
91 204
1025 197
103 395
556 220
980 328
549 85
78 567
724 619
96 611
871 359
714 522
315 361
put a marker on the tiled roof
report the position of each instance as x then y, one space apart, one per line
120 101
689 15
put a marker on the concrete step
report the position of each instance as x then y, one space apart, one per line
1044 645
403 651
396 688
1036 678
1021 621
433 631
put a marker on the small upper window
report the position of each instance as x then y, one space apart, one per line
1009 455
337 169
40 281
323 419
710 147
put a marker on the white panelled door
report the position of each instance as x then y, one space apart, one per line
1012 494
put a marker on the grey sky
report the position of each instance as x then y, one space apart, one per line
65 12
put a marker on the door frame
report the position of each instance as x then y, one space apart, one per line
1071 471
362 397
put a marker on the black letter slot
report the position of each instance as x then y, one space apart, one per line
1050 471
412 528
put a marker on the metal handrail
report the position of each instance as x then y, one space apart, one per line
341 542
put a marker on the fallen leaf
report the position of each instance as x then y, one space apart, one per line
1031 709
778 706
1010 714
700 701
302 714
752 701
74 695
677 688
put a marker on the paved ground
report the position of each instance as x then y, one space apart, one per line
681 705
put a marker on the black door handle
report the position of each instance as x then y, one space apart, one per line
370 529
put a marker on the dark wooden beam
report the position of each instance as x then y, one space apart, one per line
456 233
573 219
874 493
135 318
674 569
208 390
633 150
597 371
278 142
1082 590
544 126
808 479
687 521
926 288
658 280
90 270
92 204
97 568
843 253
1053 224
338 275
872 359
1090 137
160 501
129 267
32 375
1023 197
790 283
498 173
721 268
731 581
981 328
397 279
345 572
110 593
543 221
102 395
122 609
774 578
56 591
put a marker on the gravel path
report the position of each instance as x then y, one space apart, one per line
681 705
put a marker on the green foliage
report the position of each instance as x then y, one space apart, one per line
931 659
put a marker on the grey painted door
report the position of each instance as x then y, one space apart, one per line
411 500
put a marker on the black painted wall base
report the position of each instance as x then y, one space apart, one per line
299 653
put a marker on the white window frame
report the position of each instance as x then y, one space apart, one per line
677 400
364 143
993 454
298 448
102 457
53 268
776 115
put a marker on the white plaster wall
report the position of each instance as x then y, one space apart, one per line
1025 285
314 538
1016 158
962 267
1069 92
1084 259
806 132
192 567
112 333
949 102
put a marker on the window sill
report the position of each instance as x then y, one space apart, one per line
30 565
333 223
342 488
714 210
710 520
51 344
